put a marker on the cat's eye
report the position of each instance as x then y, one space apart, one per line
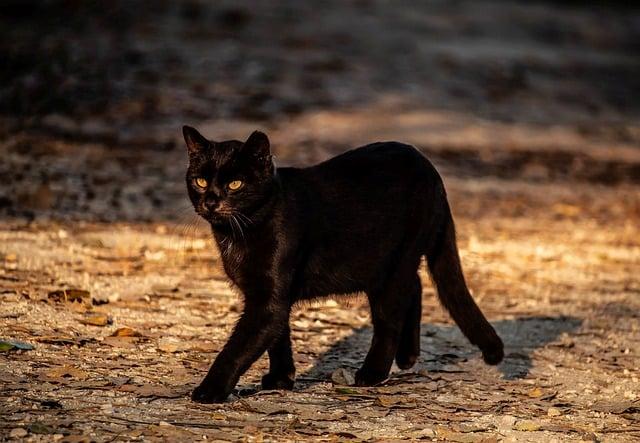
201 183
235 185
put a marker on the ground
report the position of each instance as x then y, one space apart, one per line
529 111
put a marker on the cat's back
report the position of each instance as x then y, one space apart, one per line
377 175
379 164
380 156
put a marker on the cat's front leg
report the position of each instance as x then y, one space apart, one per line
282 369
259 326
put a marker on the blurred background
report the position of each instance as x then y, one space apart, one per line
93 94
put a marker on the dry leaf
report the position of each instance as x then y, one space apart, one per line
150 391
57 340
126 332
66 372
120 342
96 320
170 344
204 347
69 295
395 401
617 407
527 425
535 393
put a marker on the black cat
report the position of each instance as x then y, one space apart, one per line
359 222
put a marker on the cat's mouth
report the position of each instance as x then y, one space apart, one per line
220 216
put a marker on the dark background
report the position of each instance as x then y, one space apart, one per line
93 94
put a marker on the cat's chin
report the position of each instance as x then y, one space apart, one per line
218 222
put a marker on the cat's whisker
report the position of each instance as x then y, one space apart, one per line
237 223
246 219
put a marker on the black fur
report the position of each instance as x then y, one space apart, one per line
359 222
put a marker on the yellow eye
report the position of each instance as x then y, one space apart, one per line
201 183
235 185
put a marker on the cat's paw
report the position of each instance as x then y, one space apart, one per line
370 378
406 361
208 394
277 381
493 356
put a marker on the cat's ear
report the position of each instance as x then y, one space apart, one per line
257 146
195 141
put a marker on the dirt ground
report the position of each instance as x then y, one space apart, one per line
115 291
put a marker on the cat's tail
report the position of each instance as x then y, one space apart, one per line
446 271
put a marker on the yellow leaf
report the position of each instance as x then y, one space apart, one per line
96 320
535 393
125 332
527 425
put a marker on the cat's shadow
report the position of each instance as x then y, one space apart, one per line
444 348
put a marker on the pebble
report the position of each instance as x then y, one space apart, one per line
342 376
554 412
506 423
18 433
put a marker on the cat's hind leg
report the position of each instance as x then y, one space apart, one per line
389 306
409 345
282 369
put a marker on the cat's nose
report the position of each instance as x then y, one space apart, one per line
211 202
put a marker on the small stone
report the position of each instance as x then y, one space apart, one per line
554 412
506 423
18 433
342 376
424 433
164 424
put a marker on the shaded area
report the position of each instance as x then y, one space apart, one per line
444 348
92 95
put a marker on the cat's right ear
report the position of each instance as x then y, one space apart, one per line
195 141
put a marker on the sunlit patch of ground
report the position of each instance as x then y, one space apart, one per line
562 290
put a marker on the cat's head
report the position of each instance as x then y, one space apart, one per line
230 179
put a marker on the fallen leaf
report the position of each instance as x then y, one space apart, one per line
204 347
57 340
527 425
616 406
535 393
347 391
150 391
170 344
126 332
66 372
69 295
120 342
395 401
14 345
459 437
96 320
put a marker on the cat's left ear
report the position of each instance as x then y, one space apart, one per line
195 141
257 145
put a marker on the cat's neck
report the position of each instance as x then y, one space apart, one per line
242 227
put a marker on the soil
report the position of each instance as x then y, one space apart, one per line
113 298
